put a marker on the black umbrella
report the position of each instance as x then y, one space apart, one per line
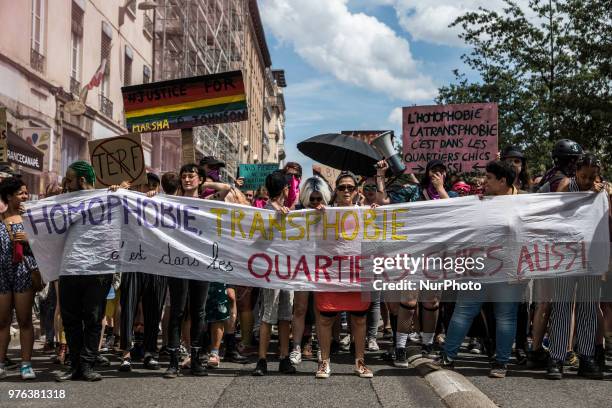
342 152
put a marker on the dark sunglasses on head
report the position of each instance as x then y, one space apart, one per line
369 187
316 199
346 187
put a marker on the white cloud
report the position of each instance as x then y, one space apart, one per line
395 117
354 47
428 20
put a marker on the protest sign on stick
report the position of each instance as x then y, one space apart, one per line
463 136
255 174
328 173
118 159
184 104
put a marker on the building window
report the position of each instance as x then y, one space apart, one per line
127 71
37 59
146 74
76 48
105 55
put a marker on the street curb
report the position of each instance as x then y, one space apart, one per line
454 389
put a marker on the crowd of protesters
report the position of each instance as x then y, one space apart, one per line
87 317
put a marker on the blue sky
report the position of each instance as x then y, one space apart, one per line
351 64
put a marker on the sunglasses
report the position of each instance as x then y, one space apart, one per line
316 199
369 187
346 187
249 195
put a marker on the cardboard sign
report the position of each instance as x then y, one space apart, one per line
365 135
185 103
255 174
3 136
463 136
328 173
118 159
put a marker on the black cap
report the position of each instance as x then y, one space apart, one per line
211 161
512 151
434 163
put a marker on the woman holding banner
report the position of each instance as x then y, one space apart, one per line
330 303
314 194
192 180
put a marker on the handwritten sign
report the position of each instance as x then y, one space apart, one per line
328 173
3 136
118 159
463 136
255 174
97 231
185 103
365 135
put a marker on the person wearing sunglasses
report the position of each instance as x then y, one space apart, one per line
515 157
315 194
329 303
249 195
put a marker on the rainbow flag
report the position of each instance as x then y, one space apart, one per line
185 103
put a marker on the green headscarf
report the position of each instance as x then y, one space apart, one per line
84 169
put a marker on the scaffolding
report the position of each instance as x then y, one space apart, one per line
200 37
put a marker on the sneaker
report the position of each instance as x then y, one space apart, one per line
90 375
286 367
498 370
295 357
27 372
572 360
261 368
589 369
521 356
150 363
443 361
102 361
345 343
537 359
70 374
324 370
389 355
475 347
400 358
214 361
414 337
427 350
554 370
362 370
372 344
387 334
126 365
8 363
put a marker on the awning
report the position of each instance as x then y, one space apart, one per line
22 153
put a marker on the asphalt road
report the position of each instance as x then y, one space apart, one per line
524 388
229 386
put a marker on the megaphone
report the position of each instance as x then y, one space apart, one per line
384 146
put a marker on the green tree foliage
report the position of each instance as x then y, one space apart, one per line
549 67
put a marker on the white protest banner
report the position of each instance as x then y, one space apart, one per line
518 237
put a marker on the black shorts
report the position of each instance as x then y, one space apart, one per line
334 314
